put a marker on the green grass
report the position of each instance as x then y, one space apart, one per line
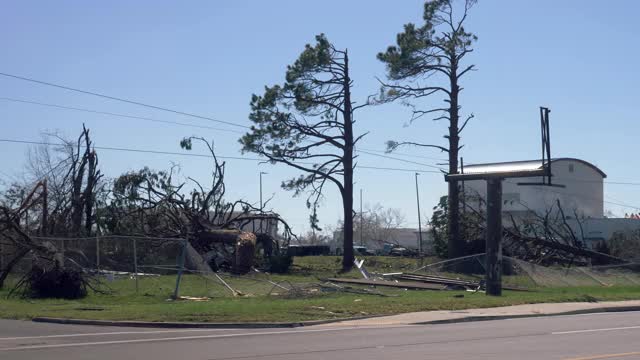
151 302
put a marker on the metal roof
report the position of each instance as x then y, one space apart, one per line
504 167
511 169
520 167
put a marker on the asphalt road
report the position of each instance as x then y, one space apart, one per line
583 337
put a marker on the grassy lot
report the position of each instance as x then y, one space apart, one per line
151 301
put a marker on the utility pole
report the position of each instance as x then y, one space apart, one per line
419 220
261 204
361 228
261 173
493 254
464 202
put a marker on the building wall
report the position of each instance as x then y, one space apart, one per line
596 230
583 191
404 237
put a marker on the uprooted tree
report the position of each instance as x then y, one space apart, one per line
427 61
307 124
60 200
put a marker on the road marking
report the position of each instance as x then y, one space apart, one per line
134 341
594 330
108 333
606 356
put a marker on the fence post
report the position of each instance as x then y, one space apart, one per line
135 263
181 260
98 254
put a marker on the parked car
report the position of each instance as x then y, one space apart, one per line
362 250
401 251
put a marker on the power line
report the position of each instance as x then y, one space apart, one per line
598 181
64 107
118 115
122 100
584 197
398 159
158 152
131 150
400 169
405 154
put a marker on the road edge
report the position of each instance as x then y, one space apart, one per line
264 325
203 325
474 318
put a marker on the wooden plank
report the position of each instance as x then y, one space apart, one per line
437 280
400 284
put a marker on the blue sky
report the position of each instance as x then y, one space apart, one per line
207 57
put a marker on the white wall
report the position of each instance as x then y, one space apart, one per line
404 237
583 191
596 230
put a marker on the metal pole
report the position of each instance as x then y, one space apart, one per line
261 204
361 227
493 276
97 253
45 208
260 190
464 197
181 260
135 263
419 220
464 201
261 173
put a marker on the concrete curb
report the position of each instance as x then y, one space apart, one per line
202 325
506 317
260 325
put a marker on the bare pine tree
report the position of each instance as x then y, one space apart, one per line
427 61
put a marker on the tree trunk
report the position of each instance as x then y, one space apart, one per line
89 192
347 191
455 241
76 199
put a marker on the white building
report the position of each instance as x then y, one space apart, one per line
581 187
402 237
579 190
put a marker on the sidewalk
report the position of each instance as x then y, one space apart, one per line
496 313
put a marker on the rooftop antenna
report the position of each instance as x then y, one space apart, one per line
546 151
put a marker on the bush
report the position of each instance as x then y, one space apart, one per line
280 264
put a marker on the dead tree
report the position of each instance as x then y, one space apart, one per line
428 61
73 181
84 176
544 238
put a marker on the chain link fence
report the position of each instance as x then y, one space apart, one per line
170 268
146 266
521 274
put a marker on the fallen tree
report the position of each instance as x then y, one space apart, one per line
150 203
538 238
